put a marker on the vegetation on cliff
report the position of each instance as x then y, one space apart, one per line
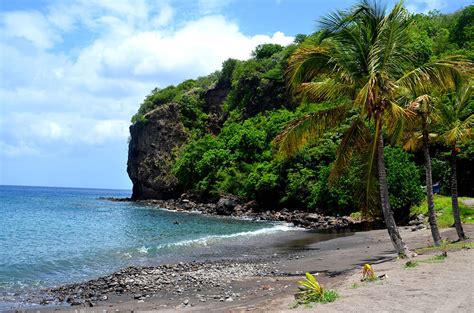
229 147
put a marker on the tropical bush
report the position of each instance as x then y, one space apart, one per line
313 292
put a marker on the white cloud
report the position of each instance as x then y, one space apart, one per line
84 92
424 6
31 26
207 7
18 149
164 17
199 47
65 128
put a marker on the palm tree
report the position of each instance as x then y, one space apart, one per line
362 54
423 106
457 119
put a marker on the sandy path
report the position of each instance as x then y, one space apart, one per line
429 287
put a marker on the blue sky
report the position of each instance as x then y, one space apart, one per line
72 73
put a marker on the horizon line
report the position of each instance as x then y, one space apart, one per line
65 187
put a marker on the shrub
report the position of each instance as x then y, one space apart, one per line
313 292
403 180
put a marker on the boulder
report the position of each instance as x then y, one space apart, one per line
312 217
225 206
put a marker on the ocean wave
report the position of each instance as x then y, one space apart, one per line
204 241
143 250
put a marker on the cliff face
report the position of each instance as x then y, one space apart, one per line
213 107
150 153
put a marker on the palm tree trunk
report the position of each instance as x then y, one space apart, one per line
429 187
397 240
454 195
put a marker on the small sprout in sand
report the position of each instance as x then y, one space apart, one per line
313 292
411 264
439 257
447 246
355 286
368 273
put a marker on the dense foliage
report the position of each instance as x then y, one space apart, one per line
239 159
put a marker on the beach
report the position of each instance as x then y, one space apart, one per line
269 283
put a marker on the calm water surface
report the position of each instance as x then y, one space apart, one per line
50 236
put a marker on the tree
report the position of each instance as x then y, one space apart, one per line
423 106
264 51
463 31
361 53
457 119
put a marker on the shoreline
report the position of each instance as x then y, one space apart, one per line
253 283
214 256
230 206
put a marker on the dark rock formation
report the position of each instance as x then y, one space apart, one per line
226 205
213 106
214 98
230 206
151 153
153 143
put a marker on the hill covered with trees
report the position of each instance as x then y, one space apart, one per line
215 135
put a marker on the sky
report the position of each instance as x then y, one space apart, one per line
72 73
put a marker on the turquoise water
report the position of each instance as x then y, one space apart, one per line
50 236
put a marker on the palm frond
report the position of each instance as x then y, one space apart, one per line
354 140
392 41
396 130
327 89
413 141
365 95
463 98
306 129
442 74
306 63
459 131
396 112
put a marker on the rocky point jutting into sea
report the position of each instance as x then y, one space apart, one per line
153 148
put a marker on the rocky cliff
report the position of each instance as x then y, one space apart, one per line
153 144
151 153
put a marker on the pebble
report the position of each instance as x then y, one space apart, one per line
184 277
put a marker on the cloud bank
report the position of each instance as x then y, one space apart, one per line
73 73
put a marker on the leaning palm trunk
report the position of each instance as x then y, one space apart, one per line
397 240
454 195
429 187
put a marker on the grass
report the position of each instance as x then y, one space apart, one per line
411 264
310 298
446 246
313 292
328 296
445 212
434 259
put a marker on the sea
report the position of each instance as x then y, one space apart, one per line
51 236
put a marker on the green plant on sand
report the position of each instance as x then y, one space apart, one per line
368 273
446 246
411 264
313 292
439 258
